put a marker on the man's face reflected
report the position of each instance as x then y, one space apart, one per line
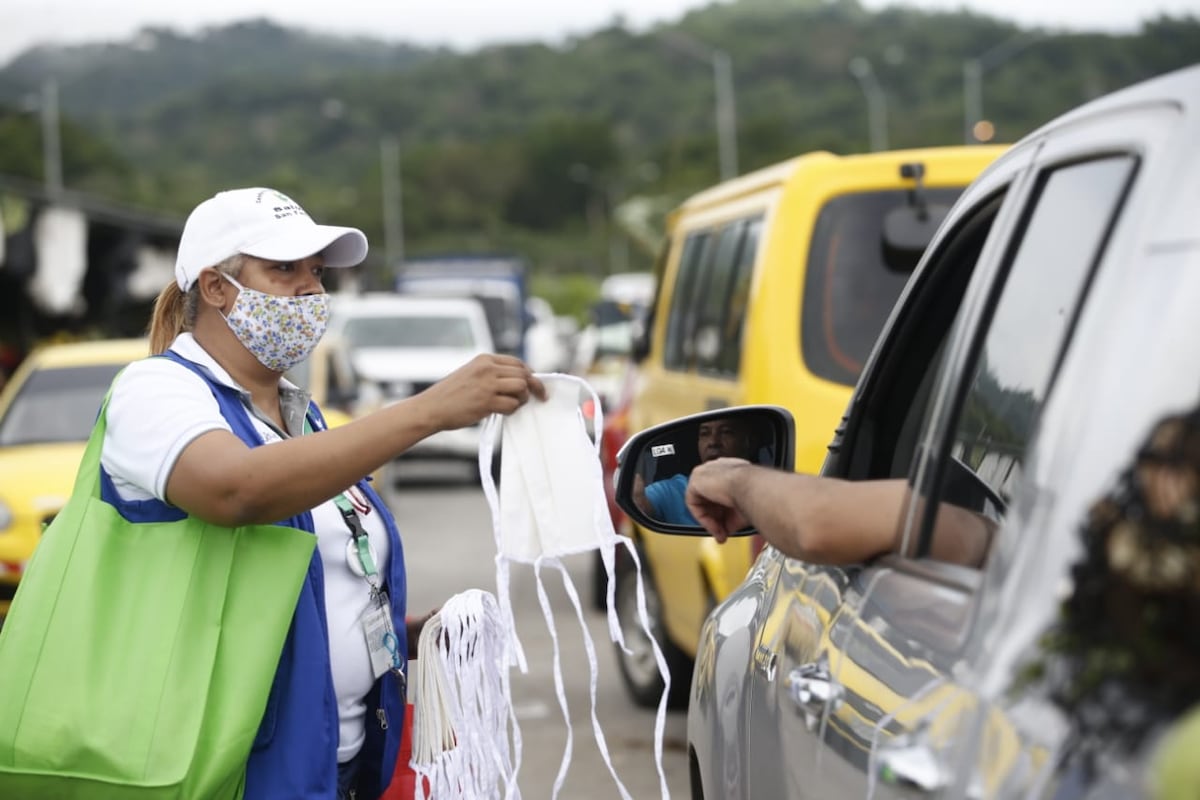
721 438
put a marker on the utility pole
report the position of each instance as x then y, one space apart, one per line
864 73
393 212
51 141
724 103
973 69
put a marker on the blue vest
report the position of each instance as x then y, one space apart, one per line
295 752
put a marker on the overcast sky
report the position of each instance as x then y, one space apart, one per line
469 23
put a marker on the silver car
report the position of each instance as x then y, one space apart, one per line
1044 344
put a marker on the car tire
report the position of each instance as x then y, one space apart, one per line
639 670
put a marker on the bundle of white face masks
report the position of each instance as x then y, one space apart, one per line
460 745
550 504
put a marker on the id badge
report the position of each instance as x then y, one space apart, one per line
382 643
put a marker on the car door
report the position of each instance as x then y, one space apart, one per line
700 361
1018 741
797 748
1002 356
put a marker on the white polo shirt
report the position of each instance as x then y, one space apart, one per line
157 409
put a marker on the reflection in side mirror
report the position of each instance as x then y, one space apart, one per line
907 231
654 465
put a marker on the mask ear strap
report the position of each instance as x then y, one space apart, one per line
660 717
608 543
593 674
489 434
598 411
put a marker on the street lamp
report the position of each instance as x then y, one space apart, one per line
973 69
864 73
725 111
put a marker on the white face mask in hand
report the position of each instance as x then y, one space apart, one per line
551 503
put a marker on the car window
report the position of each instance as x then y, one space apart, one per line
849 289
1025 334
680 316
881 442
423 331
711 299
708 305
735 298
57 405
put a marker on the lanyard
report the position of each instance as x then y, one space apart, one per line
359 543
383 645
359 547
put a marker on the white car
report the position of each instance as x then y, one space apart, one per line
405 344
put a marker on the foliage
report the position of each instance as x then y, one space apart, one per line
533 144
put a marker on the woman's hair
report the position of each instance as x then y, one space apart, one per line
175 310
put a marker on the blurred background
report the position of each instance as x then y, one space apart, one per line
526 133
525 154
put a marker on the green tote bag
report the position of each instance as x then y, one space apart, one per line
137 658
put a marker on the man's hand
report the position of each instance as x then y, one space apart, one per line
712 496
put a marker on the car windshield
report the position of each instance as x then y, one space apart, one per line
57 405
423 331
849 289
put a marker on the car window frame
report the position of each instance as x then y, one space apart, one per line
726 362
1039 179
703 253
967 336
696 251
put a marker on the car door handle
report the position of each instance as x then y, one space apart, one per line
813 690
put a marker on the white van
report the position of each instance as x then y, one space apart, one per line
405 344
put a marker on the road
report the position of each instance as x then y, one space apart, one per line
447 531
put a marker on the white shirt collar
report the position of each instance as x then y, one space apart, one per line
293 400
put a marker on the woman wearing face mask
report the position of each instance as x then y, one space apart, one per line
184 435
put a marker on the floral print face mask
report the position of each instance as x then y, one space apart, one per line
281 331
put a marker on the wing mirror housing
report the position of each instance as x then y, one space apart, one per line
653 466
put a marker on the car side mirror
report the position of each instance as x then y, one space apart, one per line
653 466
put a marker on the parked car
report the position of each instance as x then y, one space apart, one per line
498 281
405 344
1043 349
547 344
47 410
605 345
771 289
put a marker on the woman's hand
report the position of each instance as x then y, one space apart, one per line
487 384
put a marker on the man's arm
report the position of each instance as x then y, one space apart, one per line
640 499
822 520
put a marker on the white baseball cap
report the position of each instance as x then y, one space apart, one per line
262 223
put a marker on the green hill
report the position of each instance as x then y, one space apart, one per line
530 146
